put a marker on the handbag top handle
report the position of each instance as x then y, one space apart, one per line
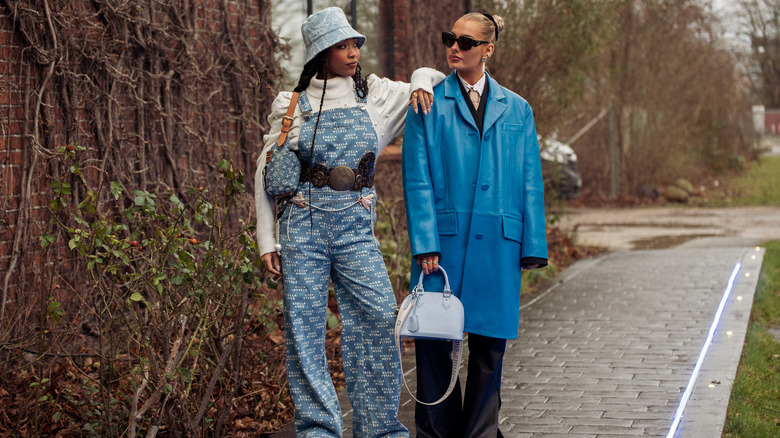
447 289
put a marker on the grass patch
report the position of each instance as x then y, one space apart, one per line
758 185
754 408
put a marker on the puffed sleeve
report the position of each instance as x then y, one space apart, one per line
388 101
264 203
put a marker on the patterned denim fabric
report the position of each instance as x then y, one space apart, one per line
333 238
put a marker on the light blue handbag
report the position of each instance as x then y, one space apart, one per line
432 315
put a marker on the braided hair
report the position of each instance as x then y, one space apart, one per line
361 83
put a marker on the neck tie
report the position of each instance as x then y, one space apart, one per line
474 97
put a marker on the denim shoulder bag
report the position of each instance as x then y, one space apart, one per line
282 166
431 315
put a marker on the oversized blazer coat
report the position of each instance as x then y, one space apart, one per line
476 200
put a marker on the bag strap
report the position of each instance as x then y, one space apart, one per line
288 119
457 351
286 124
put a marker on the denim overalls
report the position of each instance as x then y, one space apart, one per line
329 234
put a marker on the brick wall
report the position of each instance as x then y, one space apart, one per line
410 34
12 154
147 130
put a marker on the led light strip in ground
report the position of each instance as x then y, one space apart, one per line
689 389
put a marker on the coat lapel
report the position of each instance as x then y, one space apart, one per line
496 104
452 91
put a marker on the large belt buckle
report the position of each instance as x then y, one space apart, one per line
341 178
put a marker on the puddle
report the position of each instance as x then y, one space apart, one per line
664 242
670 225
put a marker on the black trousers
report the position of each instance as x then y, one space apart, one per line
475 415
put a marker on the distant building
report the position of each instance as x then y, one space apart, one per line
772 121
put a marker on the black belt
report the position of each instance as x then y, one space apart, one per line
341 178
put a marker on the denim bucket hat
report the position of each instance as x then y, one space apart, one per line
325 29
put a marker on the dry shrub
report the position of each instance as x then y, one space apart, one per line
145 312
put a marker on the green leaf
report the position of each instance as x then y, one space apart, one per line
46 240
223 165
56 417
55 312
61 188
136 296
116 189
186 375
87 205
74 242
143 199
175 201
333 319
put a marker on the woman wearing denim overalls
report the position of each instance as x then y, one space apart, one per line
326 230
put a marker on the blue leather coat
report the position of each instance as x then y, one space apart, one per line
479 202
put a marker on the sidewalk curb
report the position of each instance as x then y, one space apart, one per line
705 414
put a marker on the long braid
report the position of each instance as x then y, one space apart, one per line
322 100
324 70
361 84
310 69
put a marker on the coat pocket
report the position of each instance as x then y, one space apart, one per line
448 224
512 126
513 228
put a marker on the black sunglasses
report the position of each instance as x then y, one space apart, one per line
464 42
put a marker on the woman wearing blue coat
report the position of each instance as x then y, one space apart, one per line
475 204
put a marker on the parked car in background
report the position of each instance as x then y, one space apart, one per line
559 169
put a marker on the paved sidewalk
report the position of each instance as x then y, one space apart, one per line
609 348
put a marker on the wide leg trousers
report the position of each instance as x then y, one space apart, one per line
476 414
333 239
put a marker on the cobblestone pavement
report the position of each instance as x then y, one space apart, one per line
609 348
